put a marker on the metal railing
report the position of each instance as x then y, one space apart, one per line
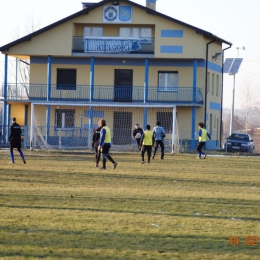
17 91
99 93
82 44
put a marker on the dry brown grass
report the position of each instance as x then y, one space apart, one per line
58 206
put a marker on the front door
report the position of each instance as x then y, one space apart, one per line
122 128
123 85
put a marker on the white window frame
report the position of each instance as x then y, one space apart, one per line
166 83
92 31
135 32
217 85
213 84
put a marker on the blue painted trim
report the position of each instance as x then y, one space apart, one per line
194 83
145 117
193 127
92 72
171 63
9 112
171 49
129 62
214 106
193 123
172 33
48 122
211 66
60 60
4 115
146 77
151 1
119 62
207 117
49 78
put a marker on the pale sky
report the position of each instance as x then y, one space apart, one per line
236 21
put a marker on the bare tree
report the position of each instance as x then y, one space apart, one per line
248 100
20 68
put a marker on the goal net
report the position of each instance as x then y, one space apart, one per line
64 127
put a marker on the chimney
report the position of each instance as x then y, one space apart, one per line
86 5
151 4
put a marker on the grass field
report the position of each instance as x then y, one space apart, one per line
59 206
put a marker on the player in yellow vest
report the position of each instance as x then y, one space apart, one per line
105 144
203 134
147 143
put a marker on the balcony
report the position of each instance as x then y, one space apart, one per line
84 93
113 45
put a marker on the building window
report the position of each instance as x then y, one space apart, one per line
165 118
66 79
213 84
168 80
93 31
145 34
64 118
135 32
217 86
208 81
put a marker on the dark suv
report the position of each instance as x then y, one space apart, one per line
239 142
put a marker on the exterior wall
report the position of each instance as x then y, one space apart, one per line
58 40
17 110
185 69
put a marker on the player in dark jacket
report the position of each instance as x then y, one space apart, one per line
15 140
137 133
95 143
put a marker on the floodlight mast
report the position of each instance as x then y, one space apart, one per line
231 67
233 100
233 106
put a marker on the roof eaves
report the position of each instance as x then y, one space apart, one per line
87 10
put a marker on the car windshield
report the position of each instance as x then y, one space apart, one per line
240 137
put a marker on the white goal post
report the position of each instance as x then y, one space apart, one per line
70 126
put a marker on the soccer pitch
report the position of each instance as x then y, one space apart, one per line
59 206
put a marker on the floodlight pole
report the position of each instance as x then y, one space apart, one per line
233 100
233 104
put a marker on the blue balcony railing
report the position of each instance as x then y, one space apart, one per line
180 95
118 45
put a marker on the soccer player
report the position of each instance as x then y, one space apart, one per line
203 134
15 140
159 134
147 143
105 144
95 142
137 134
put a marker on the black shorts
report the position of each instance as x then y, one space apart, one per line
15 145
200 146
105 148
158 142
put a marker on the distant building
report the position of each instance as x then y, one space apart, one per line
122 61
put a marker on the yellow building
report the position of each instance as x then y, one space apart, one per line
122 61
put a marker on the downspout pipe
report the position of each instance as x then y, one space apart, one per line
221 107
206 82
